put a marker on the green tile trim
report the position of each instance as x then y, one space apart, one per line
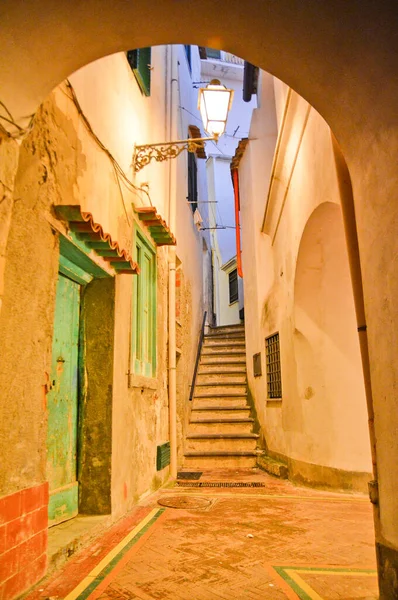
112 564
69 250
302 594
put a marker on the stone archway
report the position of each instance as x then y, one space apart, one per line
340 56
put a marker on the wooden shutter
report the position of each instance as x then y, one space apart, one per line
140 62
233 286
144 310
192 181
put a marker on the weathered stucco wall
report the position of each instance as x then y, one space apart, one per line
306 295
9 151
61 163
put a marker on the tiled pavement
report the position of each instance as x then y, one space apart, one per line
273 542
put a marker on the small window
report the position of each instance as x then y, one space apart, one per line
233 286
189 57
143 339
212 53
192 181
273 361
140 63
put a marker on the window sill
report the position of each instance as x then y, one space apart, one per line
274 402
140 381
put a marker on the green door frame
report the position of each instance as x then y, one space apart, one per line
75 265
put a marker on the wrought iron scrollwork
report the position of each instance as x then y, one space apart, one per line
165 151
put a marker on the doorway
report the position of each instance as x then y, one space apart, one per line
62 404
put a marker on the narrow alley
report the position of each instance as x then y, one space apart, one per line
198 316
273 540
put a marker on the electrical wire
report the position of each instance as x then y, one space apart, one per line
120 174
10 119
236 137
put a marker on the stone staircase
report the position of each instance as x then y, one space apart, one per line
220 432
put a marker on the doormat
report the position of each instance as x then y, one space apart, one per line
222 484
189 475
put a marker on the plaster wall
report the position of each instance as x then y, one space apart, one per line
257 258
229 312
306 295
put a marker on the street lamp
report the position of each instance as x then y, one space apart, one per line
214 104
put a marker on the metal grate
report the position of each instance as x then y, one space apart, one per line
189 474
273 361
162 456
222 484
257 364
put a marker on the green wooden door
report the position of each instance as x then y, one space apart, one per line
62 405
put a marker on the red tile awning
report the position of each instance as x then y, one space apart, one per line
92 234
158 229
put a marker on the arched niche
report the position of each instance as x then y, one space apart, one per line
329 371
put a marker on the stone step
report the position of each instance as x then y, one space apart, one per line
238 327
219 379
214 460
223 350
220 442
213 333
221 343
219 425
220 412
224 369
220 389
225 361
220 401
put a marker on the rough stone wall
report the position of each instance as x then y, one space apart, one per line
28 305
53 168
9 151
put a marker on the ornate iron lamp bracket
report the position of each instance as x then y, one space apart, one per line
164 151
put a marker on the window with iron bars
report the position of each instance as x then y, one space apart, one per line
273 362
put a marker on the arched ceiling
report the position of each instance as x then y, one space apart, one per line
342 56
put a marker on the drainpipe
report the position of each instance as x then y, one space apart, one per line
348 209
235 179
173 107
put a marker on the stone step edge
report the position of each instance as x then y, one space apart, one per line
224 343
230 353
219 421
221 383
203 408
222 436
221 372
272 466
220 453
232 326
226 395
217 362
240 335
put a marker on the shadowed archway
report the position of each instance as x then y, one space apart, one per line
341 57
